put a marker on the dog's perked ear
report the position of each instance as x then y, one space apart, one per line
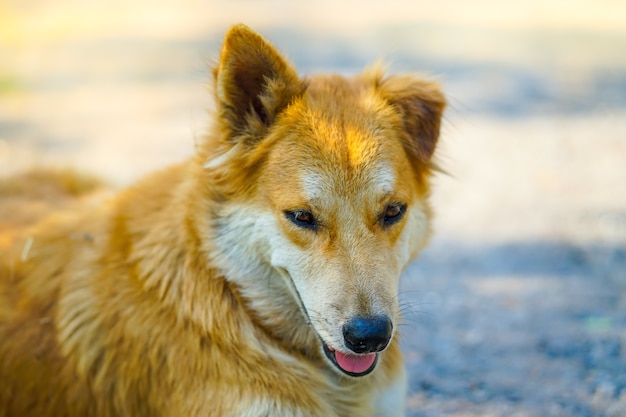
420 104
253 83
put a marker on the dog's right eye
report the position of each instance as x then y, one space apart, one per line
302 218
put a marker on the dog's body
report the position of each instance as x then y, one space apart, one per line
259 278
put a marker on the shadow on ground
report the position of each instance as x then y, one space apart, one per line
523 328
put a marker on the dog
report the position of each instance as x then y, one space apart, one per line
258 278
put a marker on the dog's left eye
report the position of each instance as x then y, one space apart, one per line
393 213
302 218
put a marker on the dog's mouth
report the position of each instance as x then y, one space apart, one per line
351 364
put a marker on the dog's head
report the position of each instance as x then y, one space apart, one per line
326 182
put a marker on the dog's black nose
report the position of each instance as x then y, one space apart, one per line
367 334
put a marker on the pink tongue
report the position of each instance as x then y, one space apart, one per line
356 364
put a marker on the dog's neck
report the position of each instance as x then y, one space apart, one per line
210 252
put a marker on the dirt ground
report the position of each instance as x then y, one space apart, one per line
518 307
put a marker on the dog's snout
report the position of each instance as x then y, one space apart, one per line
367 334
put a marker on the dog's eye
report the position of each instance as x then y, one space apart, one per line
393 213
302 218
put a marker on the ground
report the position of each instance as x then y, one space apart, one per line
518 307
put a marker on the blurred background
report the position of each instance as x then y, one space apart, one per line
518 307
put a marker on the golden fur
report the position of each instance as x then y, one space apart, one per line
193 292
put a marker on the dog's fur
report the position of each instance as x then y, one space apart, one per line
209 289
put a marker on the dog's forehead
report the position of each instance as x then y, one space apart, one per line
343 156
377 181
347 121
341 139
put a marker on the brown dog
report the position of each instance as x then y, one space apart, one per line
259 278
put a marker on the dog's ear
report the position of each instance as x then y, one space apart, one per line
420 104
253 83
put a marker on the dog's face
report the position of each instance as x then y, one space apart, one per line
349 218
337 172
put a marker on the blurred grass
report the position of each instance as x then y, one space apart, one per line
10 84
